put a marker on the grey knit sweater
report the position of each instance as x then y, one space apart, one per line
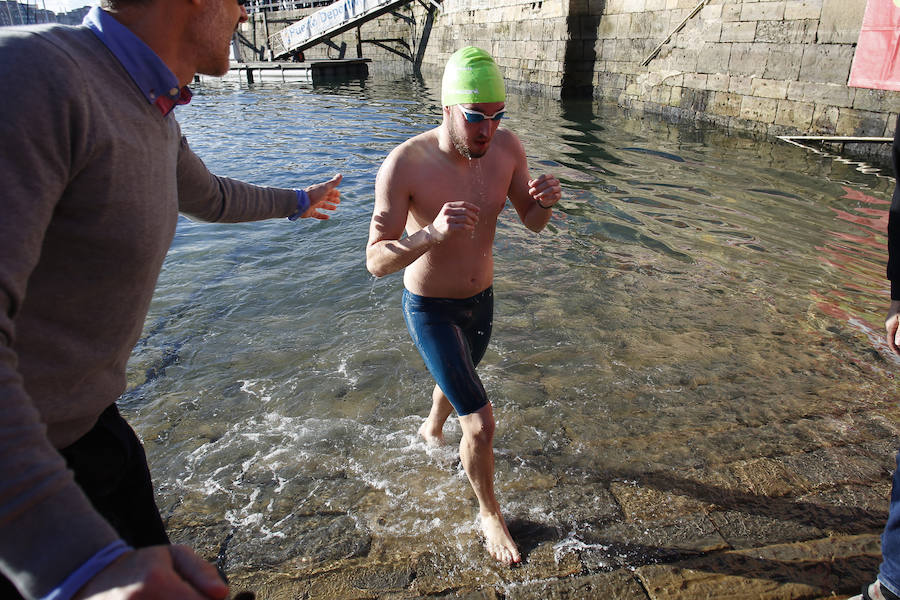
93 178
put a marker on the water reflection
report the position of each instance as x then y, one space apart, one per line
699 303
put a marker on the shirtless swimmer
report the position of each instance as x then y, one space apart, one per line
446 188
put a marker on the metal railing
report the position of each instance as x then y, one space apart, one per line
254 6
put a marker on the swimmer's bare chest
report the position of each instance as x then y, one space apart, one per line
462 265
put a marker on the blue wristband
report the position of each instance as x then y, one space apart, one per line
302 205
74 582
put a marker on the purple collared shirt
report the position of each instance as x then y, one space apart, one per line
154 78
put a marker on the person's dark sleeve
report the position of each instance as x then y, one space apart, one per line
893 266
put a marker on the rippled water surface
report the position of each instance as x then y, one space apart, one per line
694 290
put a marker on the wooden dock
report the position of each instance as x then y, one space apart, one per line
312 71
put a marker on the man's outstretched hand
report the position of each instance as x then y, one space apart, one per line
323 196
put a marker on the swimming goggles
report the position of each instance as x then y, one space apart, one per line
476 116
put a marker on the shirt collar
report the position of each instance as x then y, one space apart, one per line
146 68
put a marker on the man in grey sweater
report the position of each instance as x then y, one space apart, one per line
95 172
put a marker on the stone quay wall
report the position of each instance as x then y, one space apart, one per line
772 67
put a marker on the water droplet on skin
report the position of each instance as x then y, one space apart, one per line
478 183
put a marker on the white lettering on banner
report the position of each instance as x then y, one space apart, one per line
326 19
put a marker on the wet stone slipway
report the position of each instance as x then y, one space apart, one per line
787 507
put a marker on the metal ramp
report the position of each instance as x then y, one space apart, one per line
332 20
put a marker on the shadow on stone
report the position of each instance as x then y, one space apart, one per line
841 519
531 534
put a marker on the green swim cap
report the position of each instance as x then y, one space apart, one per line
471 76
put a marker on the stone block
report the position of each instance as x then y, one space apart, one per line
617 585
714 58
726 104
641 25
841 21
769 88
877 100
735 31
623 25
786 32
731 12
510 13
528 30
560 31
626 51
826 63
861 123
711 31
655 5
695 81
659 26
607 27
615 7
643 503
718 82
535 50
695 100
821 93
661 94
813 569
848 509
803 9
747 530
611 80
673 18
634 6
759 109
740 84
748 59
659 539
606 49
684 59
796 115
767 476
711 12
825 119
762 11
784 62
556 10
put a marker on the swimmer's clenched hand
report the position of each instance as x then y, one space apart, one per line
546 190
323 196
454 216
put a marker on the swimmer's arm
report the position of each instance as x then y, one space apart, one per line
386 253
525 193
389 254
892 324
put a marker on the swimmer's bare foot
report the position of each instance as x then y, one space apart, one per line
498 541
433 438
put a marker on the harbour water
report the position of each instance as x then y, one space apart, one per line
688 360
